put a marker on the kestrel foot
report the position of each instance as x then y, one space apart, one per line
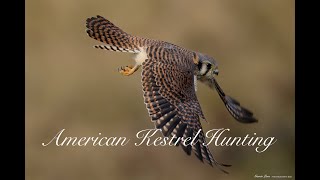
128 70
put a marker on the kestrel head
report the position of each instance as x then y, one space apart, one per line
207 66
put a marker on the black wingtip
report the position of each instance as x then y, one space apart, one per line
247 120
220 168
226 172
226 165
240 113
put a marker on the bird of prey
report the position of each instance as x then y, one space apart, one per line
169 74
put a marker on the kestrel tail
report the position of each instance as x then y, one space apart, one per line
168 76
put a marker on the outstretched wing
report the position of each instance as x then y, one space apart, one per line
172 103
240 113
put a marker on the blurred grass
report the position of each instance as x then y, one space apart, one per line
72 86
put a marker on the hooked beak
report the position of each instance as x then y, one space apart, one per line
216 71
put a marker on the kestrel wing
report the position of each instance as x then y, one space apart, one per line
172 104
237 111
240 113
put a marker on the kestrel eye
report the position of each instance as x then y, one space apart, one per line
209 66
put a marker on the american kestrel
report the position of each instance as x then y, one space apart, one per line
169 73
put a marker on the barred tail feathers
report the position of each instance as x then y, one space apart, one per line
116 39
115 48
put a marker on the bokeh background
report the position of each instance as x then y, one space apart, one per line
72 86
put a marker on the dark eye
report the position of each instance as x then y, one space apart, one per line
208 66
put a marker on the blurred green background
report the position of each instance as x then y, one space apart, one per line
72 86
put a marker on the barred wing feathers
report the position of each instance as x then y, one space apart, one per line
172 104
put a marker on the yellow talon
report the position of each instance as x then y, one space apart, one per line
128 70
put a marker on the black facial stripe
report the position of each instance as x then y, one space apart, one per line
208 69
199 65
